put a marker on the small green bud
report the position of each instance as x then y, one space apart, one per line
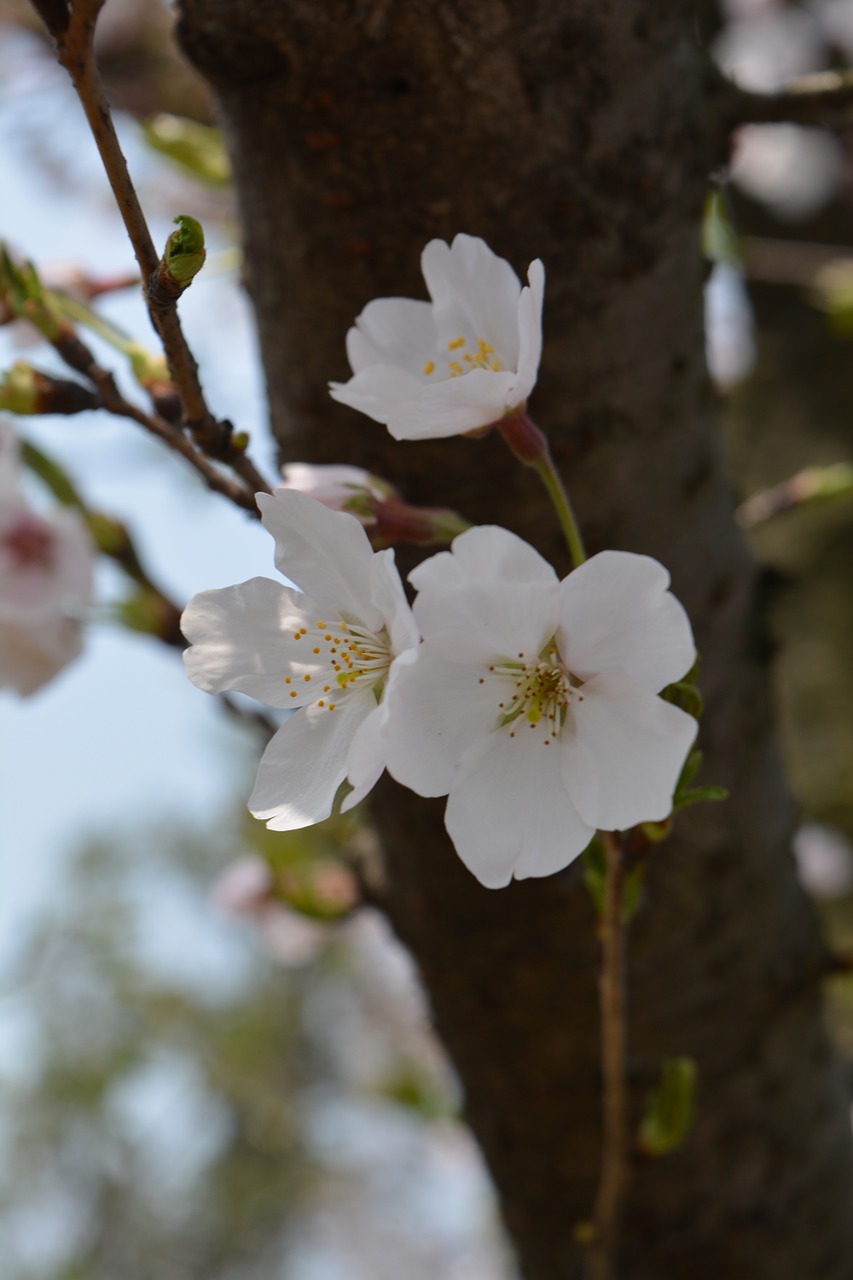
670 1108
109 535
147 367
19 389
240 441
185 252
149 612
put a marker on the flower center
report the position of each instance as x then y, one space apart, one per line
542 692
29 543
461 361
352 657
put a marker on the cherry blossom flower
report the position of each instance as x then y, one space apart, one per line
324 652
458 363
532 703
336 486
46 569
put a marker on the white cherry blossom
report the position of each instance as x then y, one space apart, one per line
46 566
325 652
458 363
532 703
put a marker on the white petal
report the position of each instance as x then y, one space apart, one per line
241 637
306 762
485 624
530 331
378 391
618 616
397 331
436 711
623 749
475 293
448 408
366 760
326 553
508 812
389 599
486 553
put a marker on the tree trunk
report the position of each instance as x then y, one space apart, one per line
581 133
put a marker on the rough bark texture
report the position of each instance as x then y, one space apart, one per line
580 132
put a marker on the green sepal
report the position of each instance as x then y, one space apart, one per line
670 1108
686 695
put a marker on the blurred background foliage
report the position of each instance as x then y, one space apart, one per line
257 1094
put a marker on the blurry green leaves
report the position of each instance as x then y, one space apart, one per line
197 148
312 866
720 241
670 1108
833 293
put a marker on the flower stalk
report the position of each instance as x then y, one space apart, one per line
553 482
613 1005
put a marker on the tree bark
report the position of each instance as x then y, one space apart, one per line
583 134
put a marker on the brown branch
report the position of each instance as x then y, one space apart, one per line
74 36
76 354
614 1153
823 99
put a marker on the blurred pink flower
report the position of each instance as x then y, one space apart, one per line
340 487
45 582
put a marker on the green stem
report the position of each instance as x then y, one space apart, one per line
559 497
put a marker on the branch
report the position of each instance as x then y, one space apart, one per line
602 1262
823 99
74 30
76 354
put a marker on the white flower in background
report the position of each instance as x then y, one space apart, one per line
334 486
324 652
46 569
455 364
532 703
729 326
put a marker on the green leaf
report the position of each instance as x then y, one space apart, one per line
196 147
670 1108
697 795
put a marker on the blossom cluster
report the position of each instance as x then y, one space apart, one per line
531 703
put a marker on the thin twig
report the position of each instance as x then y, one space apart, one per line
76 354
614 1152
74 34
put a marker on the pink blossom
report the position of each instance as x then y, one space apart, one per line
45 583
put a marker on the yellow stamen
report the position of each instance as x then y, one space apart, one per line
429 367
456 344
